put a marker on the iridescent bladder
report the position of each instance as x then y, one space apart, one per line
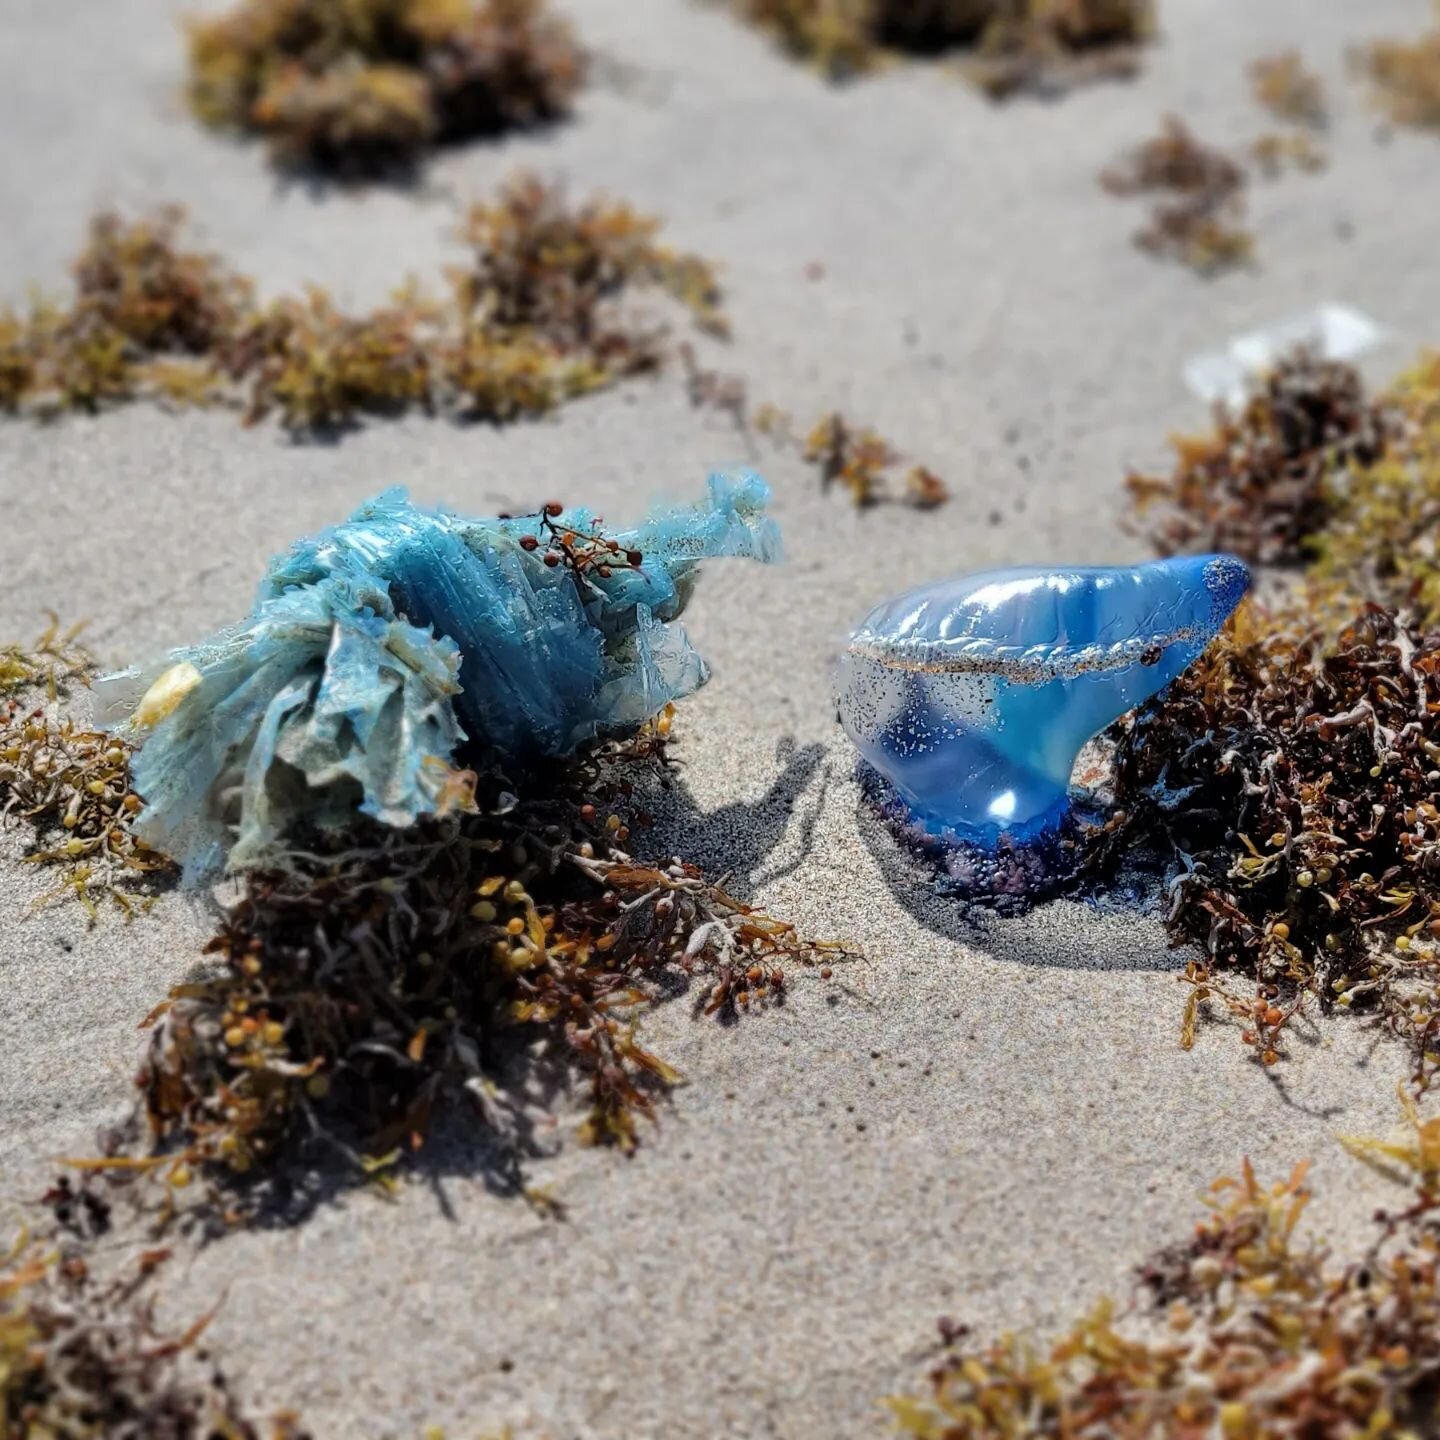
972 697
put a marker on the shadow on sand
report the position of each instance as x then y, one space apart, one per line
1110 923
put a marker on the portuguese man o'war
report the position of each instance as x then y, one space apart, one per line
380 647
972 697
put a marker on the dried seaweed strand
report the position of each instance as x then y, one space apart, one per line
857 458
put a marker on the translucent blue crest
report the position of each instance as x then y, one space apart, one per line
378 647
973 696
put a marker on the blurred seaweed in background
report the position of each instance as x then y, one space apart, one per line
147 317
1289 90
1405 77
861 461
1382 540
82 1356
1045 46
1198 213
1294 95
1199 217
532 320
1313 470
365 87
1262 481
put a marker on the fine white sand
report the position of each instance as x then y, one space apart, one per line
992 1122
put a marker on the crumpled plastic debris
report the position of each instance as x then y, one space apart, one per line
380 647
1332 332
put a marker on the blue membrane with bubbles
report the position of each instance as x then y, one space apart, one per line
376 649
973 696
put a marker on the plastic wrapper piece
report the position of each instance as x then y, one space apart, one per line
384 650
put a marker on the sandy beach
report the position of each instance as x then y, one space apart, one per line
986 1119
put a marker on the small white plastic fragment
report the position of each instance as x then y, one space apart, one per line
1334 332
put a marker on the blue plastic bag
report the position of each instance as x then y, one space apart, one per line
379 647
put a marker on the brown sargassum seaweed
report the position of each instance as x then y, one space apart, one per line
1404 77
1262 482
1247 1329
83 1357
1292 776
477 966
388 978
529 322
1199 215
365 87
1010 45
